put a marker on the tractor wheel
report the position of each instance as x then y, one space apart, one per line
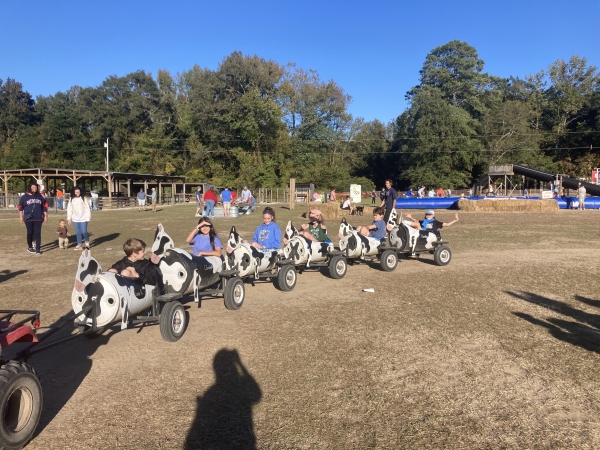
234 293
388 260
338 267
173 321
442 255
20 404
286 278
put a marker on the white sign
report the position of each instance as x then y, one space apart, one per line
547 194
355 193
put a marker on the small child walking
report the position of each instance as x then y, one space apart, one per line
63 235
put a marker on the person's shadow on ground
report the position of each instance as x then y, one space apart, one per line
224 413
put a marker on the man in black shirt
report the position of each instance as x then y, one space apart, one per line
388 199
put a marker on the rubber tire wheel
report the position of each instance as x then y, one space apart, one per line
234 287
286 278
442 255
338 266
172 321
388 260
20 404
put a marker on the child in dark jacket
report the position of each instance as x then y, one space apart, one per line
134 266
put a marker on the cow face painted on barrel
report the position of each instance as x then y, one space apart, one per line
175 264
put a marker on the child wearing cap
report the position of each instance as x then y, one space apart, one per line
377 228
430 222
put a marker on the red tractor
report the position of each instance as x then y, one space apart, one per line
20 388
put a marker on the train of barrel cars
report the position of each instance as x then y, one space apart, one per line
101 299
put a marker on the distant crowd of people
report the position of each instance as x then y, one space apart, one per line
206 202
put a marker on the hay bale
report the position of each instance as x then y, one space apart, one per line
331 210
507 204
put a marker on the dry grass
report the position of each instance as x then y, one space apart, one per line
499 349
506 205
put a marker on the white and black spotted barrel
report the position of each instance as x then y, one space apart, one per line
112 292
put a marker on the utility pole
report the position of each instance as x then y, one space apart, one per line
106 145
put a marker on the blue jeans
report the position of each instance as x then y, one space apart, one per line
82 233
210 208
60 202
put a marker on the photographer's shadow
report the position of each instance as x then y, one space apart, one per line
224 413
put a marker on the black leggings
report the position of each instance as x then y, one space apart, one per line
34 231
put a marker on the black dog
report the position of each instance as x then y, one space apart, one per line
360 210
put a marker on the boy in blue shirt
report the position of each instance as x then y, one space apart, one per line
267 236
377 228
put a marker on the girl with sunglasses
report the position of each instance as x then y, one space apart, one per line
205 239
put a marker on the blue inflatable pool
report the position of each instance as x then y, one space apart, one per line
451 202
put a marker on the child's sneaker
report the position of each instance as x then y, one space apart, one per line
31 250
78 248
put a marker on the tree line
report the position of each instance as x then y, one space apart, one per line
256 122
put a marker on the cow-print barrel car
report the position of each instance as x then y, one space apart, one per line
307 254
184 273
253 264
101 299
413 243
358 247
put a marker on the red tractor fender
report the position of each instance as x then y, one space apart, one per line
24 333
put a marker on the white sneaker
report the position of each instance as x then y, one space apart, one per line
197 215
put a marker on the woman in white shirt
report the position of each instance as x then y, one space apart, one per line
78 213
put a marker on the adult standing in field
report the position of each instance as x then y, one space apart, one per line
246 195
332 196
198 202
233 194
373 196
79 214
210 200
60 196
153 199
226 199
389 199
581 196
141 197
33 211
94 192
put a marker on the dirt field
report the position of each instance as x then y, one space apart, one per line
499 349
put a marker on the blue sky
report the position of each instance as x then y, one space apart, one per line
374 50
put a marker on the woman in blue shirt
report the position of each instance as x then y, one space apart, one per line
205 239
267 236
